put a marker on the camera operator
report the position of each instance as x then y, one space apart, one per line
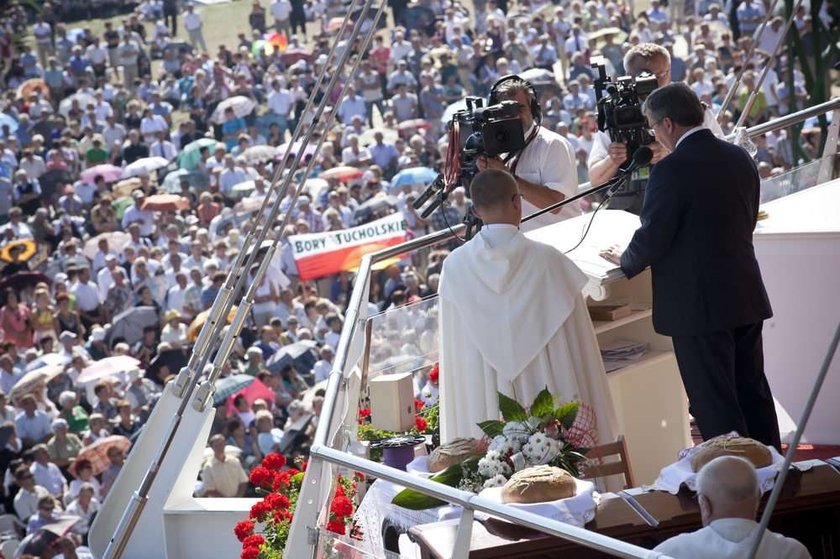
606 157
545 168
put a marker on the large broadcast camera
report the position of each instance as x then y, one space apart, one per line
473 132
489 131
620 106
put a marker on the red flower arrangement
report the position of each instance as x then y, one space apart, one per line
434 374
264 534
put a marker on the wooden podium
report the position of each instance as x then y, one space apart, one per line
648 395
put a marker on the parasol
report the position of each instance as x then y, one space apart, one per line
97 453
31 86
228 386
539 76
291 57
22 280
66 104
129 324
191 154
618 35
110 173
197 180
389 136
201 318
242 189
47 359
117 241
31 379
449 112
255 154
334 25
107 367
280 151
18 251
242 106
299 354
256 390
10 121
342 173
165 203
145 166
413 124
414 175
278 40
125 187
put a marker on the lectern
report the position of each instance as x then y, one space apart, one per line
650 402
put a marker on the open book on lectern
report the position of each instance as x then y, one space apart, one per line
610 227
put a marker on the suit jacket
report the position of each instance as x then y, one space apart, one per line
698 218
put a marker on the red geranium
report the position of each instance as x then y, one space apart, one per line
253 541
420 424
274 461
262 477
337 527
341 506
418 405
434 374
281 515
277 501
250 553
243 529
281 481
259 510
364 415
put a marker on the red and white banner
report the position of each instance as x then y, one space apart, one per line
324 254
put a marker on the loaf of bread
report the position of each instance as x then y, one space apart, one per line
750 449
451 453
539 484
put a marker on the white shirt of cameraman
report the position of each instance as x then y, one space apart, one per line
546 171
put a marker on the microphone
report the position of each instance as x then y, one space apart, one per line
436 186
641 158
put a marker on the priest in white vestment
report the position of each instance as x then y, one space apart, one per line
513 320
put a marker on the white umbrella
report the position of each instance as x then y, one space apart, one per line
144 166
242 189
242 106
450 111
67 103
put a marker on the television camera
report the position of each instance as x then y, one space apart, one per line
620 106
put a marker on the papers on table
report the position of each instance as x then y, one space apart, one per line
620 353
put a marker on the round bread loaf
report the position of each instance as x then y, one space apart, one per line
539 484
451 453
750 449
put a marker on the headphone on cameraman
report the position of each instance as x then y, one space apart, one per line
536 110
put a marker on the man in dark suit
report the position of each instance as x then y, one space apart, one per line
698 218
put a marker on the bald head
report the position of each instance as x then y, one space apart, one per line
728 488
495 196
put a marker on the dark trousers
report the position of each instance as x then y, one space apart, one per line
723 375
171 17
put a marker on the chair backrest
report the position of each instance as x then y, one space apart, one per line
597 466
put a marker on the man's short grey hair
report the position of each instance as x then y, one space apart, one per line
715 478
676 101
637 57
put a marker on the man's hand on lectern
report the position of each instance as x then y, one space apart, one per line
613 254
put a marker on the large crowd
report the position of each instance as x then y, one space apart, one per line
100 266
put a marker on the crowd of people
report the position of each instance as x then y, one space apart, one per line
87 117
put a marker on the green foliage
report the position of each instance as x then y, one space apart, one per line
567 413
367 432
451 476
432 416
543 405
511 410
492 428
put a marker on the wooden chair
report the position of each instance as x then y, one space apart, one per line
597 465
